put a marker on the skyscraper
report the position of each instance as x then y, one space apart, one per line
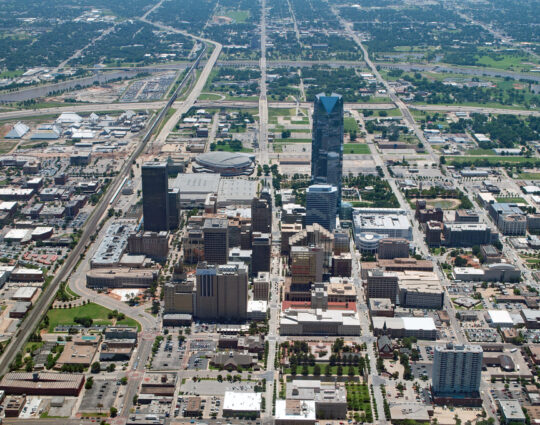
222 291
321 205
457 369
155 191
261 253
261 215
216 240
327 146
174 208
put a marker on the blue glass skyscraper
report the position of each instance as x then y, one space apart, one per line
327 145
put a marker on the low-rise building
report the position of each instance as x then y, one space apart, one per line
511 411
120 277
498 272
319 322
234 360
401 327
295 412
162 384
76 354
42 383
243 405
381 307
330 398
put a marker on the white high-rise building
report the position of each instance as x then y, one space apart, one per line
321 205
457 369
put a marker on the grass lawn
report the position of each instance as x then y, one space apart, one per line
239 16
227 148
505 62
210 96
99 314
511 199
356 148
378 99
395 112
529 176
350 124
480 152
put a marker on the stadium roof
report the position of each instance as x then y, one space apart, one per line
224 159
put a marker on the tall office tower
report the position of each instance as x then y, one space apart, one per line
261 247
382 284
155 188
222 291
174 208
261 215
216 240
321 205
457 369
306 266
327 147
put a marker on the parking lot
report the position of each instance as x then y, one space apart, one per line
100 397
152 88
197 361
170 355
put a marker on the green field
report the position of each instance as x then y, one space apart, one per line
505 62
356 148
227 148
511 199
239 16
395 112
529 176
481 152
350 124
99 314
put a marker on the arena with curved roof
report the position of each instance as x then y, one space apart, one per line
225 163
